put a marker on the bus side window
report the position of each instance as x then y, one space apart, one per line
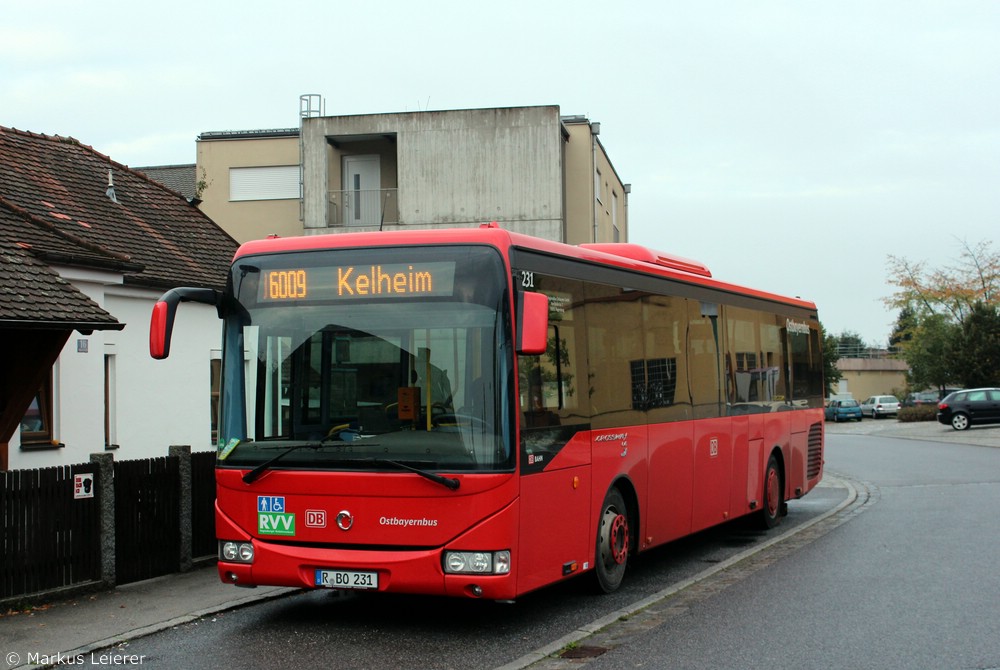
550 395
665 366
704 361
616 356
533 391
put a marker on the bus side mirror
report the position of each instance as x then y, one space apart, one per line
161 324
532 323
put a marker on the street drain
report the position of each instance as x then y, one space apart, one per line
583 651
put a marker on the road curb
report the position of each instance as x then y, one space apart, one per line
583 632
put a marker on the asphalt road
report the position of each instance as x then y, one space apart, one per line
329 629
906 579
902 575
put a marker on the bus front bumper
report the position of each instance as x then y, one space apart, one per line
397 571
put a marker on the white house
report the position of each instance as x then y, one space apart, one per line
88 245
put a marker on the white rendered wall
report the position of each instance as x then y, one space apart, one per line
155 404
162 403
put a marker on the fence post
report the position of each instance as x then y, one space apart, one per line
105 463
183 454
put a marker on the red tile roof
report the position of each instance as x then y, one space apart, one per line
181 178
32 295
54 192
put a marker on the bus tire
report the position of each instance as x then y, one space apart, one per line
774 503
613 540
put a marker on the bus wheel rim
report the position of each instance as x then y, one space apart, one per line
773 491
618 538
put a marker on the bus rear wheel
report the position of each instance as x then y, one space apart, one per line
774 503
613 540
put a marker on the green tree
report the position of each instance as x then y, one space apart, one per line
951 290
906 323
977 347
931 353
851 344
948 315
831 354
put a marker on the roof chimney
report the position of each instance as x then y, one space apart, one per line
111 188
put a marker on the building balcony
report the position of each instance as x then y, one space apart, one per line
363 208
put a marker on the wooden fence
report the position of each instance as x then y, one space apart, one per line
50 536
147 519
203 541
103 523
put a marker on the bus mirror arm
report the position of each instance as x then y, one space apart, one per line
532 323
161 324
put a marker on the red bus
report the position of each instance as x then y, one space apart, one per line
479 413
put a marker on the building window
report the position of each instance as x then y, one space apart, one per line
36 424
110 422
598 184
279 182
215 374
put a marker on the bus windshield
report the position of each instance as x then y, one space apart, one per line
368 359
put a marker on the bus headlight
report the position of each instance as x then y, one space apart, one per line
235 552
477 562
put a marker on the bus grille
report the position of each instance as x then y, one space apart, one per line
815 463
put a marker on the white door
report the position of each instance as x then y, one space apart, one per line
362 186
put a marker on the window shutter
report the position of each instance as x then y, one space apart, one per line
279 182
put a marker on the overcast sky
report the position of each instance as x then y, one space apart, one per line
790 146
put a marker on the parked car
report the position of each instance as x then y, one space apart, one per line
922 398
843 410
968 407
879 406
931 397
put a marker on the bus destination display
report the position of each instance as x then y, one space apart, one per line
350 282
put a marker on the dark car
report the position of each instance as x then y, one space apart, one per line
968 407
922 398
927 397
843 410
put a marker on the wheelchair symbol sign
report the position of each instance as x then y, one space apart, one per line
270 503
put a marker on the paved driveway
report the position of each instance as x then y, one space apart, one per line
985 436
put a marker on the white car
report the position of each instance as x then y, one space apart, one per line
878 406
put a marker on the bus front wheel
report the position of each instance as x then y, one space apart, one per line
612 542
774 503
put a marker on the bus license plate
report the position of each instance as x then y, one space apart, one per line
346 579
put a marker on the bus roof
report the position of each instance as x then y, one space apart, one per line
628 256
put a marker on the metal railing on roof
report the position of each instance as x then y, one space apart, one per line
853 350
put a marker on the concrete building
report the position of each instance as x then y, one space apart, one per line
528 168
249 182
864 377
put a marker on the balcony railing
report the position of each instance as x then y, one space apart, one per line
363 208
853 350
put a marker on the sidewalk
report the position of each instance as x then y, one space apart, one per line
41 637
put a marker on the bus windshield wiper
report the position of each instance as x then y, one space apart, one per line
336 434
255 474
449 482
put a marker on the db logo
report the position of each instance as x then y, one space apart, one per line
316 518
